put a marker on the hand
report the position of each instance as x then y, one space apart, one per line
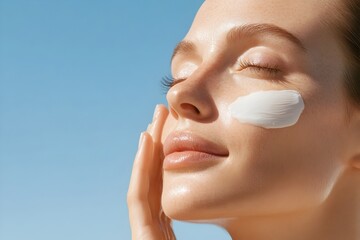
147 220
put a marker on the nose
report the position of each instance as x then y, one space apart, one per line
192 99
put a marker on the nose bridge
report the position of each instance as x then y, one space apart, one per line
193 97
205 74
209 72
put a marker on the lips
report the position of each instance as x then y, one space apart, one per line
184 150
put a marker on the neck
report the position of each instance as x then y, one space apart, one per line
336 218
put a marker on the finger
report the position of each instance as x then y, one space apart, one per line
166 225
149 128
159 119
139 209
155 130
139 176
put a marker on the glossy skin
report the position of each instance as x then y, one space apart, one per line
299 182
147 220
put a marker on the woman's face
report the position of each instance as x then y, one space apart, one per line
238 47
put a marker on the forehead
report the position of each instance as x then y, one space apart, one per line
299 17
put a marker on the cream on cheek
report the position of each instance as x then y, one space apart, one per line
268 109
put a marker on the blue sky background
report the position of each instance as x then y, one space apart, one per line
78 83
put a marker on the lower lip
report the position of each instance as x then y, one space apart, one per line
190 160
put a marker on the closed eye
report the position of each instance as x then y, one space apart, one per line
259 69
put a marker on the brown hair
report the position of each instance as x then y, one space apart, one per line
350 34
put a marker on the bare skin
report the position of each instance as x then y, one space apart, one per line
144 196
295 183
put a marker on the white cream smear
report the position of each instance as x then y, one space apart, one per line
268 109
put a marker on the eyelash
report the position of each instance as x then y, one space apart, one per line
272 70
168 82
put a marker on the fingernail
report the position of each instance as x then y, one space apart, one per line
141 139
156 112
149 127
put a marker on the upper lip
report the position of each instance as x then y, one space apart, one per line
186 141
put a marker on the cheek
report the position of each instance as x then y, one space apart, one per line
285 169
269 171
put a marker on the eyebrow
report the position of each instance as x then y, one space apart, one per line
239 32
183 47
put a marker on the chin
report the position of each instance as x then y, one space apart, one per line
191 205
183 205
179 206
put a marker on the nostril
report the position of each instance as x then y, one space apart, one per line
190 107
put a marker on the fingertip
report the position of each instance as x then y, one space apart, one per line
162 108
148 129
146 136
141 139
156 113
